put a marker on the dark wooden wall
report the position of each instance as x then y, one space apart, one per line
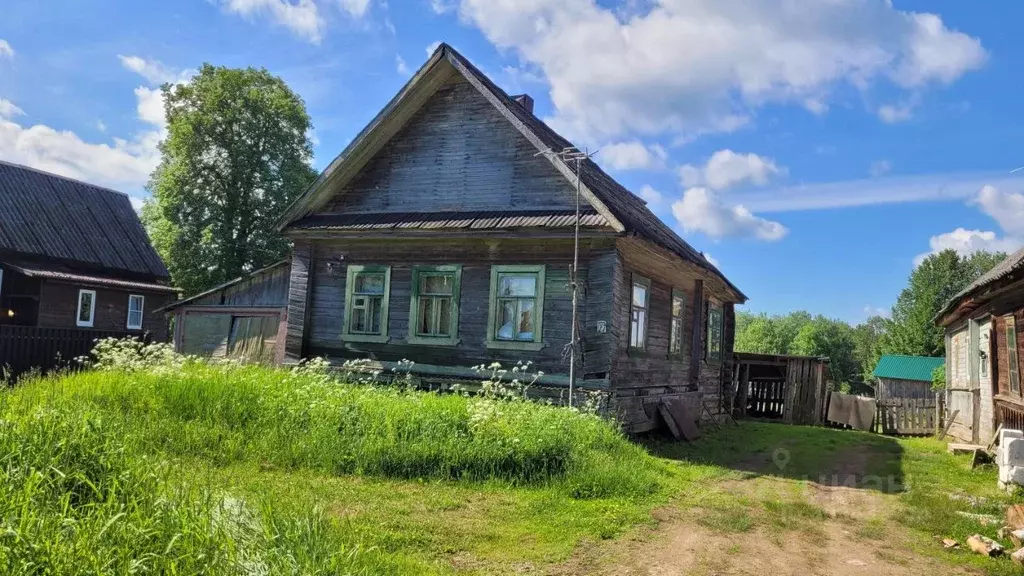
58 305
458 153
641 379
325 314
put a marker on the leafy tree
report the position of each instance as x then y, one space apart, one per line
763 334
823 336
866 339
236 154
934 282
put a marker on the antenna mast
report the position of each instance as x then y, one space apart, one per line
568 154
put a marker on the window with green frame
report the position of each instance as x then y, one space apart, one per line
713 347
516 307
366 303
434 308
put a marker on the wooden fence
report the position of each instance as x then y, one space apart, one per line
23 348
766 398
907 416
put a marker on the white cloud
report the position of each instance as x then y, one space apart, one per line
875 191
5 49
880 168
726 169
651 196
966 242
101 126
1006 208
686 67
153 71
401 67
137 203
301 17
896 113
433 46
870 311
9 110
356 8
711 259
126 163
700 210
633 155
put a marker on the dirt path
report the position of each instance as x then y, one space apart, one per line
843 532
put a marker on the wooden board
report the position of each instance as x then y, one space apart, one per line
682 424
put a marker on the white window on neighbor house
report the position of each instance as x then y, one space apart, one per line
86 308
136 303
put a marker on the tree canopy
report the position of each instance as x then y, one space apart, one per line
931 285
855 350
237 152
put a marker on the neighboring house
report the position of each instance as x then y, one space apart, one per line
243 318
905 377
443 234
983 345
74 255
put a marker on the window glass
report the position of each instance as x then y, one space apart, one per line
367 301
135 306
638 313
517 294
434 306
86 308
714 341
675 345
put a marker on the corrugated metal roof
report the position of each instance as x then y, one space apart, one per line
907 367
1008 265
451 220
63 275
50 216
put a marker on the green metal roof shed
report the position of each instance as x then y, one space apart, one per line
918 368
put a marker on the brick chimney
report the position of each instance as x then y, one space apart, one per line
525 101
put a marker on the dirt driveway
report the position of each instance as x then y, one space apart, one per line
838 521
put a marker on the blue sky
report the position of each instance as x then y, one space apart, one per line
813 149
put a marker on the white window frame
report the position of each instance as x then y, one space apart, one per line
142 308
92 310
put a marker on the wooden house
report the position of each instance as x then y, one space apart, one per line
898 377
983 347
243 318
444 234
75 256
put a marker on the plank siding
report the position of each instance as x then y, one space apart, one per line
264 290
58 306
457 153
298 298
327 301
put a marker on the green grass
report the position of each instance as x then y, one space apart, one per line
207 468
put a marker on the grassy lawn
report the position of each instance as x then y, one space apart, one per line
239 470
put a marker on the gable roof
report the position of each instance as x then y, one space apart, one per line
60 219
907 367
621 210
1008 266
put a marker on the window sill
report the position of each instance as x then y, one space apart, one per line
367 338
428 341
509 345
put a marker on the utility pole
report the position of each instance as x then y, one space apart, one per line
568 154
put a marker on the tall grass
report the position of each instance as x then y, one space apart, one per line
91 464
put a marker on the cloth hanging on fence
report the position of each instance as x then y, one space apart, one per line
854 411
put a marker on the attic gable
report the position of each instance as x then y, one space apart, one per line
457 153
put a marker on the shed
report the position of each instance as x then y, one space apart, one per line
905 376
245 318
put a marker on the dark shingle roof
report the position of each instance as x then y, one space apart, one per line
907 367
50 216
